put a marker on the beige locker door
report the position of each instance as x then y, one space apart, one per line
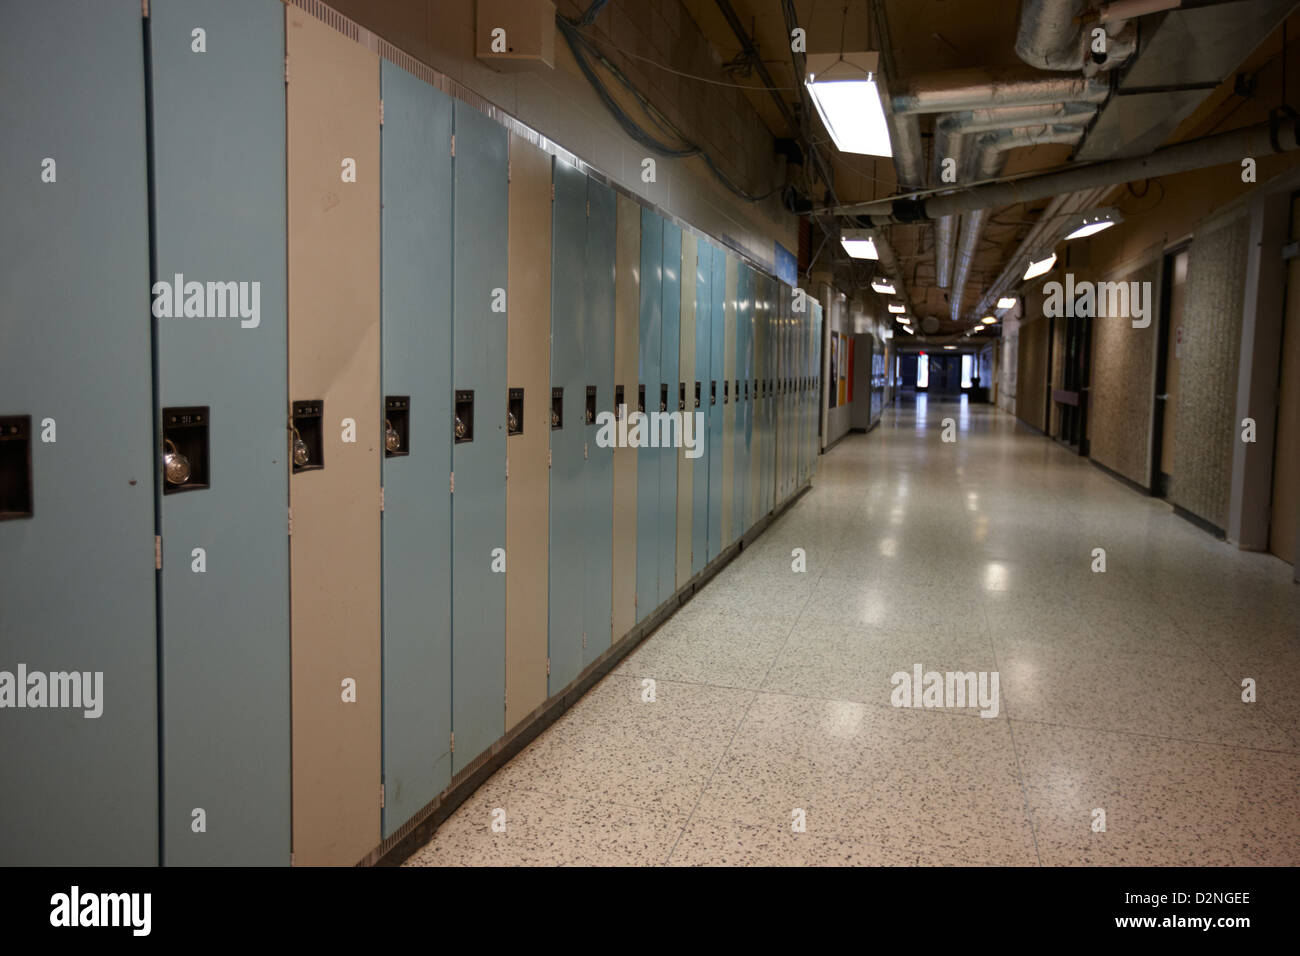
1286 454
729 410
528 367
627 318
686 373
333 123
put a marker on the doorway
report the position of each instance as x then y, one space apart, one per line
1169 353
1286 448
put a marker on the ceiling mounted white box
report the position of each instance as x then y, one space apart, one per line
513 35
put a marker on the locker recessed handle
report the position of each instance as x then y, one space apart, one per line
663 397
557 408
463 416
713 391
590 413
185 448
619 406
697 394
15 467
640 399
726 391
515 411
681 396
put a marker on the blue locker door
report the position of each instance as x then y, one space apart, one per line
478 617
669 368
417 259
648 520
703 266
75 375
225 573
744 422
717 370
598 347
568 373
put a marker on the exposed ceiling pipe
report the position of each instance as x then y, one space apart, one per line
979 88
1050 36
1006 117
990 160
948 144
1222 148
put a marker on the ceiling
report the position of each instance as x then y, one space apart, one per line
926 36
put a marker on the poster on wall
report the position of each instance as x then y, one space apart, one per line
835 360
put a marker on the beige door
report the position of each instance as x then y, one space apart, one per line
528 370
333 191
1286 457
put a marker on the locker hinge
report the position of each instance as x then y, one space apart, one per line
552 192
584 451
381 499
510 168
144 8
381 796
286 69
290 521
548 667
453 483
584 640
157 552
381 112
453 145
453 741
507 469
588 208
548 458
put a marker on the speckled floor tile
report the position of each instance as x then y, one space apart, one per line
738 844
1166 802
1188 698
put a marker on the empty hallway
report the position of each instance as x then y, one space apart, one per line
1119 690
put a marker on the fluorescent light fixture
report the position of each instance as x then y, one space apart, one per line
950 346
1094 222
883 286
845 90
990 320
978 328
908 330
1038 267
897 309
905 320
1007 302
859 244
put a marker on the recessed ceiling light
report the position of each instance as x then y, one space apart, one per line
883 286
1007 302
897 309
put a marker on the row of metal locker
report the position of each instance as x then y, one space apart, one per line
303 368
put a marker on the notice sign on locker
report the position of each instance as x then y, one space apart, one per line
335 440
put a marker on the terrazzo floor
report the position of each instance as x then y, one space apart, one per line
1118 691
